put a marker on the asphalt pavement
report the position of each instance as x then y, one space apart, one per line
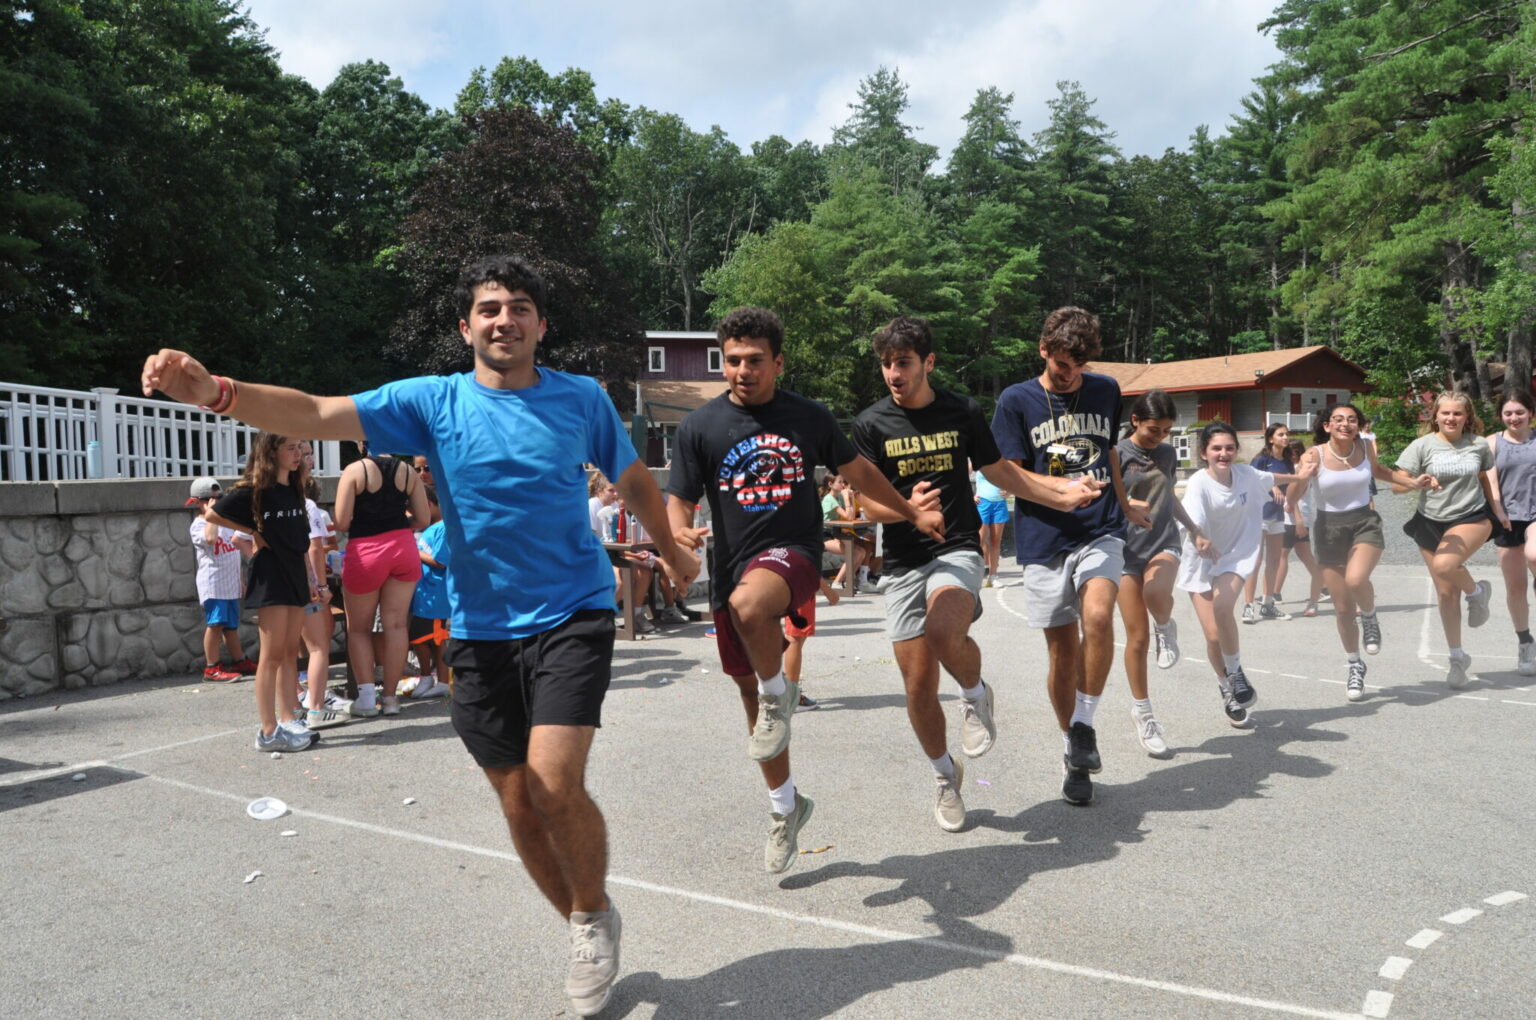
1336 860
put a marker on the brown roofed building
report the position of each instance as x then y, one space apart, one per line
681 372
1249 391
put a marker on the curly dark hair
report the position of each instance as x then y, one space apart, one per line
1072 332
509 271
752 324
904 333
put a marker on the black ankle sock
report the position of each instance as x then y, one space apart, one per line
1524 636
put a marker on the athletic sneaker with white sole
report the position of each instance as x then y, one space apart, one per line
1076 785
1250 613
1477 604
321 718
1526 657
771 734
1237 715
1354 687
1269 611
285 740
1167 639
594 960
949 806
1457 676
1150 732
784 835
978 726
1370 633
1083 748
1242 691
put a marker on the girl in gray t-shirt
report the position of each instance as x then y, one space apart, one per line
1514 506
1453 519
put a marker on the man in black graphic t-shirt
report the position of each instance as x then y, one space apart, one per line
752 452
925 440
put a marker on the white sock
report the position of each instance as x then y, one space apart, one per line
1086 704
782 799
1066 743
944 765
773 686
1141 706
1367 615
365 695
1355 657
1232 663
1456 653
974 693
1161 627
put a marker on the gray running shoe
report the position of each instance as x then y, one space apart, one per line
1354 688
978 726
1526 656
357 711
771 734
1150 732
784 835
1477 604
320 718
671 614
285 740
1167 639
1456 678
949 808
1269 611
1370 631
1250 613
1076 785
594 960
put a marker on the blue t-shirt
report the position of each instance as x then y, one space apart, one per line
1066 435
510 476
431 599
1274 509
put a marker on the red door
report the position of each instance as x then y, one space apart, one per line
1215 408
1295 403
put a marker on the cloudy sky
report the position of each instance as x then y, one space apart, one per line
1157 68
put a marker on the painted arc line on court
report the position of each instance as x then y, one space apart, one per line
38 774
1377 1004
1424 939
1504 898
1461 916
831 924
1395 968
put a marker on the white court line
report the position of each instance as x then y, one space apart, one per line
882 934
1504 898
1424 939
36 774
1377 1004
1295 676
1395 968
1461 916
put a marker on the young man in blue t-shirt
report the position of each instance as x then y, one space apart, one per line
531 622
1064 424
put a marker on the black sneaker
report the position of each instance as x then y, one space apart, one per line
1370 632
1076 787
1083 748
1354 688
1242 691
1237 715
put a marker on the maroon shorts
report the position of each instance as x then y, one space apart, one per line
804 582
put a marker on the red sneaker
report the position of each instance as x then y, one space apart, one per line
245 667
219 675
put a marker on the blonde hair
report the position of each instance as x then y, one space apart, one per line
597 483
1474 423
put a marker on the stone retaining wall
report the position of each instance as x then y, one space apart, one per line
97 584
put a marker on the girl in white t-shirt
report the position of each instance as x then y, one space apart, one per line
1226 502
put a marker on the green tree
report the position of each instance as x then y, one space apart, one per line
1072 207
875 136
568 98
787 180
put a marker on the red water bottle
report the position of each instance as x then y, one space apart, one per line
623 524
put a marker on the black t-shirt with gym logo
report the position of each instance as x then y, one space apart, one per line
278 574
936 443
757 468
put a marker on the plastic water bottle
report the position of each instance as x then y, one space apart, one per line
93 468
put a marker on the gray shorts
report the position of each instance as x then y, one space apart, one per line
1051 590
906 595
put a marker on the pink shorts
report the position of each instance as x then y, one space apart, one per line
804 582
369 562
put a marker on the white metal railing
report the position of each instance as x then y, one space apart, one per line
1291 421
58 435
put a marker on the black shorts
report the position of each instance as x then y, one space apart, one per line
420 629
1427 533
1512 537
1292 540
502 689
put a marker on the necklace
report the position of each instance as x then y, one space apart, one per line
1051 396
1353 444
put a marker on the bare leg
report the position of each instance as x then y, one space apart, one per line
794 656
1098 650
1447 567
360 608
1064 646
394 611
1275 566
212 642
278 627
557 829
232 645
1138 635
1251 584
1513 565
757 604
317 640
775 770
1343 609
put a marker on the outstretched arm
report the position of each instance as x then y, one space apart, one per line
1056 493
274 408
868 479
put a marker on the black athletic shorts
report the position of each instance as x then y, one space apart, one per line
1512 537
502 689
1427 533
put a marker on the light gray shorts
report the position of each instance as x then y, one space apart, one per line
1051 590
906 596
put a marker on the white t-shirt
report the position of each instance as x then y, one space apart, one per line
1231 517
218 563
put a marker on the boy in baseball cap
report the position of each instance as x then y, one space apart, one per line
218 585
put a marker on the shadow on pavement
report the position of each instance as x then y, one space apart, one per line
40 791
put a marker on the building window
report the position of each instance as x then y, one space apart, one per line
714 359
658 359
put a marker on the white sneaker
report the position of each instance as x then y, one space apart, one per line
1527 656
1477 604
1167 639
594 960
978 726
1250 613
949 808
1456 677
1150 732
